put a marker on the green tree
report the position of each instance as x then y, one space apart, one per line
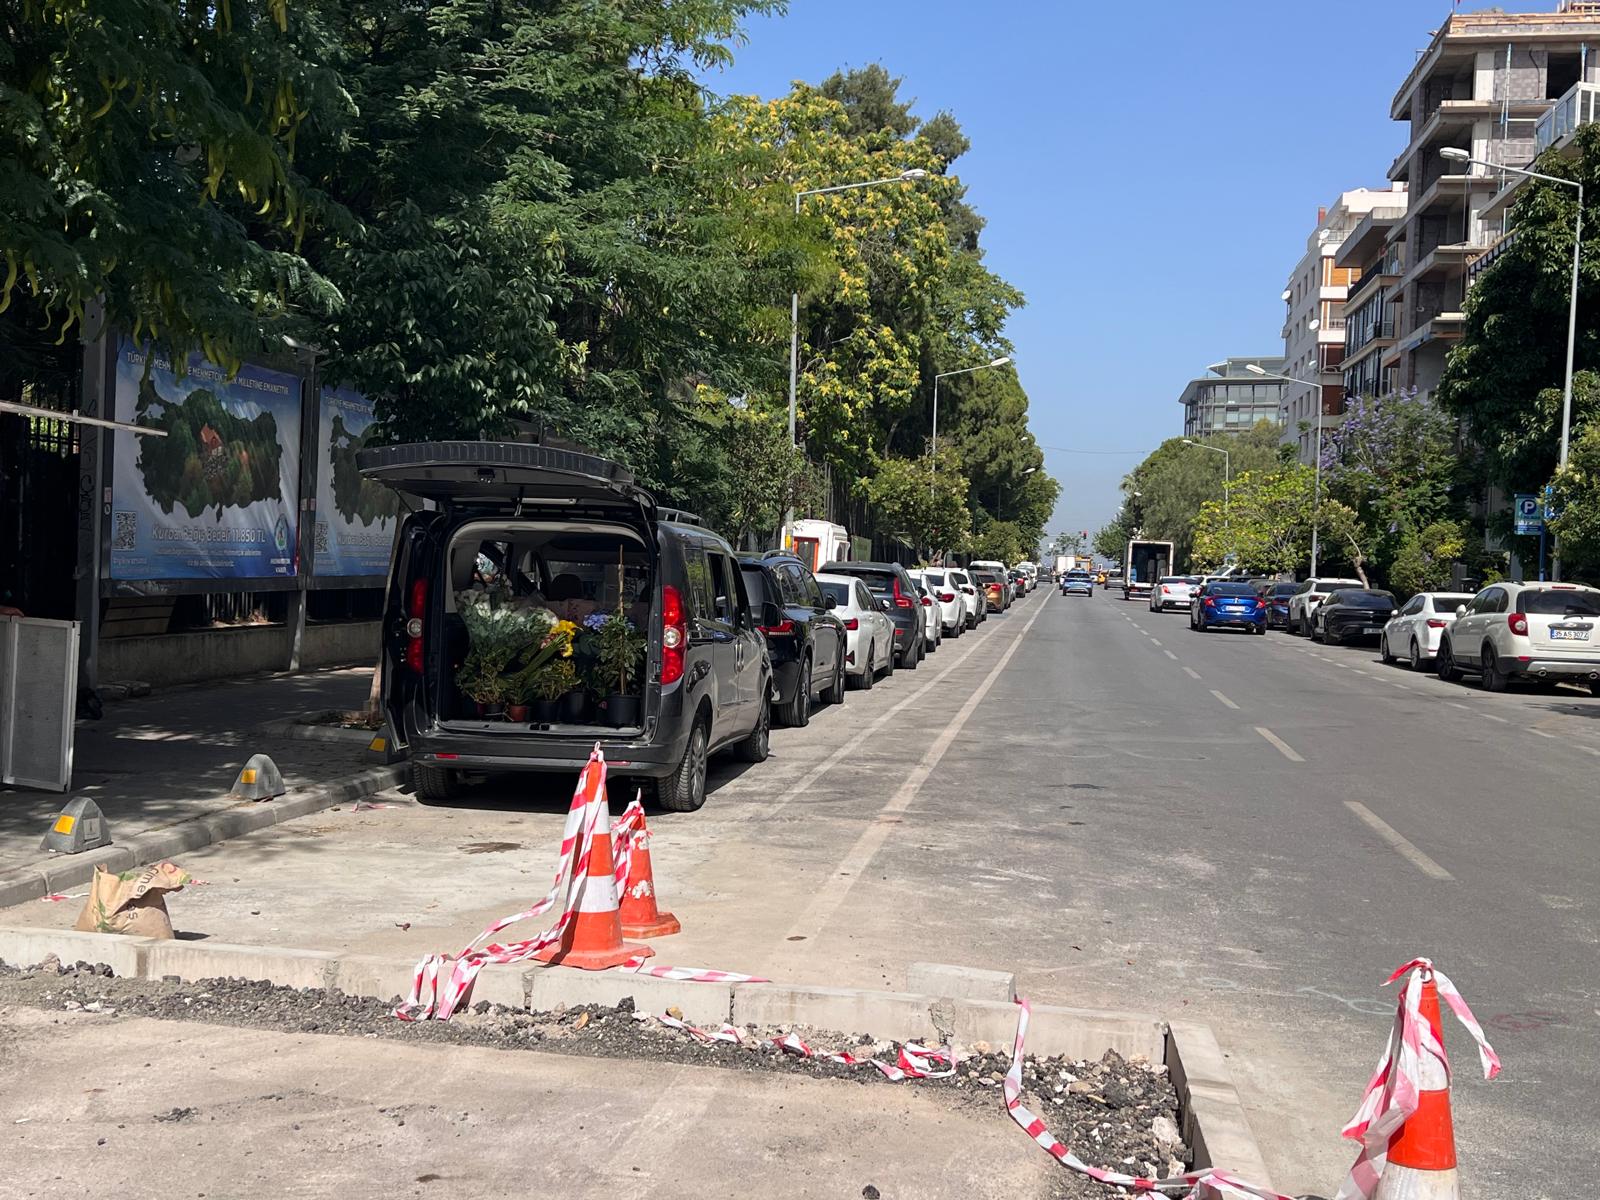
1002 541
1504 378
922 501
1111 540
761 473
1577 499
147 160
1267 522
1426 558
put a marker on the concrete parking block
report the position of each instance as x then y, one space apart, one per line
700 1003
898 1015
126 956
224 960
372 975
960 983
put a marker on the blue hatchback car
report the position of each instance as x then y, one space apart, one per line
1079 583
1224 603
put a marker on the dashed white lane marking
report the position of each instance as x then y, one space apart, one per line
1170 655
1282 746
1359 671
1457 704
1224 699
833 891
1401 845
1543 734
1191 673
1492 717
1155 641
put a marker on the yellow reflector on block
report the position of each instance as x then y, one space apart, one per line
378 745
64 823
248 775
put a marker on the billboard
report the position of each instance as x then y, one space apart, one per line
355 517
216 497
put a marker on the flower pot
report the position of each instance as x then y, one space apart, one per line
622 711
573 708
517 713
545 711
491 710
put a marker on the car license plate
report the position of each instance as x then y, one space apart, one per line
1371 629
1569 635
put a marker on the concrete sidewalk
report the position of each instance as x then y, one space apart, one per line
172 756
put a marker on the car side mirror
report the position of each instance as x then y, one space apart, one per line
1461 610
1394 612
771 615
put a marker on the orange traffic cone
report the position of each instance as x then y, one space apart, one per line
640 916
592 939
1422 1155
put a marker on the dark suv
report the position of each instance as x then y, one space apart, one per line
893 588
563 531
805 641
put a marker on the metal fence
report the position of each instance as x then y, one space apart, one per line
38 667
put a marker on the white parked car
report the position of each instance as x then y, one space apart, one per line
977 611
1543 631
869 633
1312 593
932 626
951 603
1413 634
1171 591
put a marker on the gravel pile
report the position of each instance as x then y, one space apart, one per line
1115 1113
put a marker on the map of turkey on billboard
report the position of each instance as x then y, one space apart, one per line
217 497
355 516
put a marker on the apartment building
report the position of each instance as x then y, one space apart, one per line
1484 83
1369 325
1230 398
1315 317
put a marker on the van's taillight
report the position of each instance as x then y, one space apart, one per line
900 601
416 610
1518 623
674 634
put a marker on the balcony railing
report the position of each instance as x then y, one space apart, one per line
1580 106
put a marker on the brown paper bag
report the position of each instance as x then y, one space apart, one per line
131 902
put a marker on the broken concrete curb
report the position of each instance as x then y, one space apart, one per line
41 878
1214 1121
296 729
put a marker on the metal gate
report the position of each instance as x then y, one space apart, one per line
38 670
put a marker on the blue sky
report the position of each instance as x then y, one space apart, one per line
1149 171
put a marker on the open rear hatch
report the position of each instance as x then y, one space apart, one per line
505 475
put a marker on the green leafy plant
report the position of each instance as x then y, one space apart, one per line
621 657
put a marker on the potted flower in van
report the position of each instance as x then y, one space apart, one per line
546 675
619 667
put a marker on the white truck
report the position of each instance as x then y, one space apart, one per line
817 542
1143 564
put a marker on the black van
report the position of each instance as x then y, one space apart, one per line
571 532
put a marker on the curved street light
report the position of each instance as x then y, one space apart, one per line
933 453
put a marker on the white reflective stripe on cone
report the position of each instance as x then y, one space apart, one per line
1408 1183
599 895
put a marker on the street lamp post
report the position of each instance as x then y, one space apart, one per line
934 452
1227 490
908 176
999 494
1316 486
1456 154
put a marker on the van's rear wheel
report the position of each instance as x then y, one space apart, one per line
685 789
434 785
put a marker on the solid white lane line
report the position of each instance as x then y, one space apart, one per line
1170 655
1282 746
1191 673
1401 845
1224 699
832 893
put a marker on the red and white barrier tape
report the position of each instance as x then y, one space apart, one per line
1199 1185
915 1061
1392 1095
432 1000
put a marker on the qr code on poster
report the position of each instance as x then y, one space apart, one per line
125 536
322 537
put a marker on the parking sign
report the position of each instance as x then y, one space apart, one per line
1529 518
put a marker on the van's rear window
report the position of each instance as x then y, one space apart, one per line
755 585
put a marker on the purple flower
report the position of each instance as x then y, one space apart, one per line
596 619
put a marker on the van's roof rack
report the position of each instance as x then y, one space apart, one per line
680 516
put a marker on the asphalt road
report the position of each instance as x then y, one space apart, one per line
1250 832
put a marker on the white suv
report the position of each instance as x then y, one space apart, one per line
1311 594
1544 631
